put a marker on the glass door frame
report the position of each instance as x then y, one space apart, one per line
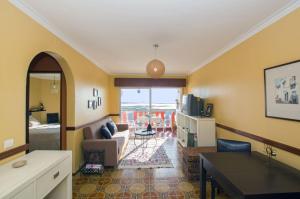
150 111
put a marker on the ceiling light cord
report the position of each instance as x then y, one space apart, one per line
155 50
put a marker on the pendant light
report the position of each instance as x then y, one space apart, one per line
155 68
54 86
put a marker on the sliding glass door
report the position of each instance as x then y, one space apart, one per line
139 106
135 105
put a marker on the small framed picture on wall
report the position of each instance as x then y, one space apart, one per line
209 109
95 92
99 101
95 104
90 103
282 90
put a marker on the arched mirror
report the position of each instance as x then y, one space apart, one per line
45 104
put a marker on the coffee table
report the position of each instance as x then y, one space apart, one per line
145 136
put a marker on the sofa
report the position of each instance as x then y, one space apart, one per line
113 148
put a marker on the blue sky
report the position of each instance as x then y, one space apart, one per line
159 95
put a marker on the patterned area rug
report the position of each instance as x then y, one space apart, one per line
150 155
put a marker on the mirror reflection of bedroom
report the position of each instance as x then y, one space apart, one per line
44 111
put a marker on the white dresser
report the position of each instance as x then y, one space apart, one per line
202 128
48 174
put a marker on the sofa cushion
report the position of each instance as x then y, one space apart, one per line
92 131
122 140
112 127
124 134
104 131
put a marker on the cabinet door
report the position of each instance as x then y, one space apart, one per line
27 193
206 134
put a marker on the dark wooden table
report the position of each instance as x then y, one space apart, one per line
249 176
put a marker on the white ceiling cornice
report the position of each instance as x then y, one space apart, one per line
50 27
254 30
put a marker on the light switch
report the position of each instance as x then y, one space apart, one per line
8 143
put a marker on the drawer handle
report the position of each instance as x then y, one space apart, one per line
56 175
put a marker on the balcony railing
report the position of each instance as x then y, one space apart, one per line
160 119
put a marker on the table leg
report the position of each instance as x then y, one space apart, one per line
134 140
145 141
202 180
213 190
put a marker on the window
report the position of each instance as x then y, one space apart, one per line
139 106
135 100
164 98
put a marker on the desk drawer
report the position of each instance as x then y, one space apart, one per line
52 178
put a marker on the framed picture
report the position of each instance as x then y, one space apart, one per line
90 103
282 91
209 109
95 92
99 101
95 104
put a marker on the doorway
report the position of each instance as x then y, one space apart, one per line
139 106
45 104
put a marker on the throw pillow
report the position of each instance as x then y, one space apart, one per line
112 127
104 131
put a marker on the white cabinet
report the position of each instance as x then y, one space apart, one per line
203 129
51 179
28 192
48 174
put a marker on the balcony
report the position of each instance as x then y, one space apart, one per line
141 106
162 118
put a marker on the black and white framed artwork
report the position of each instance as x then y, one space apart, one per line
282 91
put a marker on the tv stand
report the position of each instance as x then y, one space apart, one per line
203 129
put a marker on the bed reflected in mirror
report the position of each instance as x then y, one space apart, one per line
44 111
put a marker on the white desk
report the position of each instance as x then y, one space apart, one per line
48 174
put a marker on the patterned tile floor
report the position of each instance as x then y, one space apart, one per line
141 183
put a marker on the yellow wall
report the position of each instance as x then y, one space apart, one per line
21 39
35 96
234 83
40 93
50 100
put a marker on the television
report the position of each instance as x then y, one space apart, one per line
52 118
192 106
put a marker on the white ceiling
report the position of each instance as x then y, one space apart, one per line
118 35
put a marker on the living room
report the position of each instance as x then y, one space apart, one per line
151 95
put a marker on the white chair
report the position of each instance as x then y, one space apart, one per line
168 121
141 122
157 122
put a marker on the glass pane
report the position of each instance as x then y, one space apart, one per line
135 105
164 98
164 104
